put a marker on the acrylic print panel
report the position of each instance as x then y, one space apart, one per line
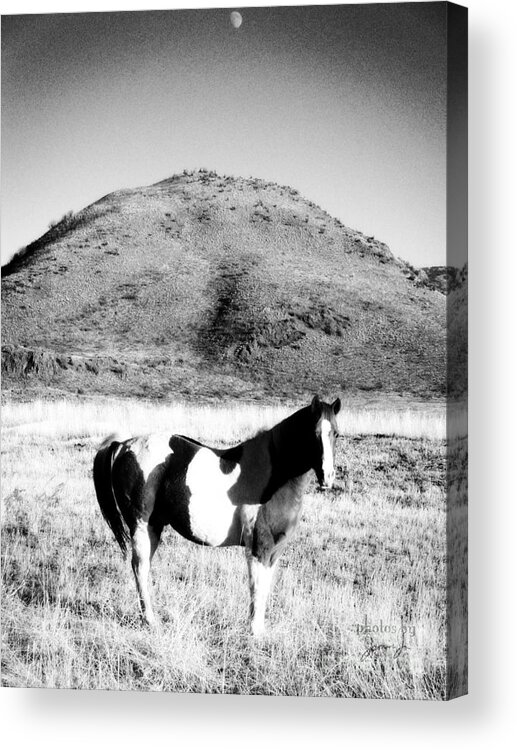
242 347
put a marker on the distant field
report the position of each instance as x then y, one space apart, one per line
358 608
230 423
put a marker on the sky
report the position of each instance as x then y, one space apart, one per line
345 103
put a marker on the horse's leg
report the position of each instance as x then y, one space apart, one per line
261 570
144 540
263 549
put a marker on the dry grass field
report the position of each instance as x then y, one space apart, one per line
358 607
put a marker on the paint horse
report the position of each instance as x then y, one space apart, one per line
249 495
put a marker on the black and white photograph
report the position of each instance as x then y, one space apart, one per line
234 351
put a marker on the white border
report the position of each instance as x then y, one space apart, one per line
55 719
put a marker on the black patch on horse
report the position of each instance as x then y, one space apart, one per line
230 458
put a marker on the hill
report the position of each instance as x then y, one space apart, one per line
211 286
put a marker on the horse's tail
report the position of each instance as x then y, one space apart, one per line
102 479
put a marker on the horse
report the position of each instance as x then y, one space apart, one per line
249 495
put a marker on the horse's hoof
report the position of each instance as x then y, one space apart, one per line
257 631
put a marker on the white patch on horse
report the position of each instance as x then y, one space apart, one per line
151 451
210 508
328 458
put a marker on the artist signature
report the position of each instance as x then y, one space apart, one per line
369 629
383 647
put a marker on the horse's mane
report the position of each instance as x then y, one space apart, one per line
292 422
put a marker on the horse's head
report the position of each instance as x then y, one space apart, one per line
325 434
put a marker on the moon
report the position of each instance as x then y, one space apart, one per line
235 19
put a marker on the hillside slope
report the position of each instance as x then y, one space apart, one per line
216 287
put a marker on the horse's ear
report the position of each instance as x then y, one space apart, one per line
316 406
336 406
